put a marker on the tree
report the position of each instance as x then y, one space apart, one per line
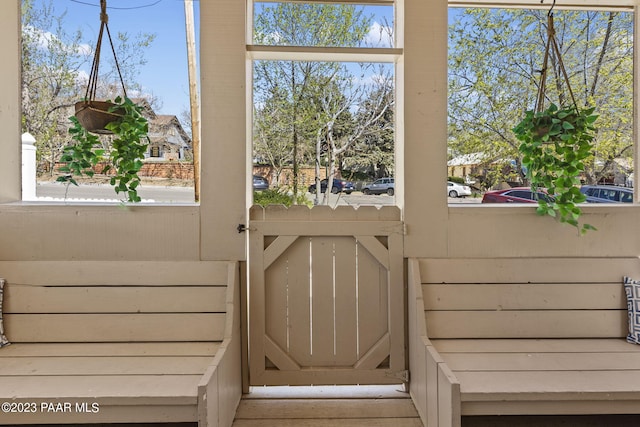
371 102
292 84
375 150
54 74
495 57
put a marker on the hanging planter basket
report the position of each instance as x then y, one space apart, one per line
556 142
92 114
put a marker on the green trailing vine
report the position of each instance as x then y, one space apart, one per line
125 157
555 144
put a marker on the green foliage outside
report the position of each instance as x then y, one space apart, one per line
125 155
279 197
495 59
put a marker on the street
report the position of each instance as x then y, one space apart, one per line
100 193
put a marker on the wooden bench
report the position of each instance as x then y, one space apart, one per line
543 336
120 342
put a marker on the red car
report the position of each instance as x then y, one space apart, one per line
514 195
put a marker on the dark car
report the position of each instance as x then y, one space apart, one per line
607 194
514 195
339 186
380 186
260 183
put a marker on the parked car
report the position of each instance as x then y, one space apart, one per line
339 186
379 186
260 183
607 194
457 190
514 195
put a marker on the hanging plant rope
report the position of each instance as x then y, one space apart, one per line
552 42
121 118
95 115
93 76
555 143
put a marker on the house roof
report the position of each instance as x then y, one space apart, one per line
468 159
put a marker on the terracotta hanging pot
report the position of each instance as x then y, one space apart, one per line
95 115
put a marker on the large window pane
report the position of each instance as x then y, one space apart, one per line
324 119
322 25
495 59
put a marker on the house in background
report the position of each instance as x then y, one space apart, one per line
167 138
467 166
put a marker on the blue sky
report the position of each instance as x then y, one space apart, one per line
165 73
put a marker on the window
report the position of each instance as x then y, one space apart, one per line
323 97
58 43
495 56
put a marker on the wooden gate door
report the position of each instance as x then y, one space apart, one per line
326 298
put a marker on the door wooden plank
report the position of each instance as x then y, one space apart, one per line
276 249
323 308
373 301
397 305
257 307
299 302
125 299
376 355
328 228
276 300
527 324
530 296
346 303
278 356
99 365
49 328
375 248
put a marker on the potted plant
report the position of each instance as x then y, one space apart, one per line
555 144
129 144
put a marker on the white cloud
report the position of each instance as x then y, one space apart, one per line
45 40
379 36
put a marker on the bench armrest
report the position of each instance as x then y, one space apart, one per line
220 388
434 389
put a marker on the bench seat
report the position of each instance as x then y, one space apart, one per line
121 348
521 337
550 376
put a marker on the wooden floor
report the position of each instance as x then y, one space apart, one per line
344 406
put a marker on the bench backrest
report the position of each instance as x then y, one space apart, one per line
526 298
114 301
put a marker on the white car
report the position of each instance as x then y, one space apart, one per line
457 190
